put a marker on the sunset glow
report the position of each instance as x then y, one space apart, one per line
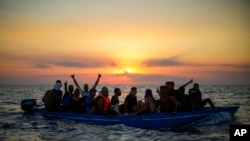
128 42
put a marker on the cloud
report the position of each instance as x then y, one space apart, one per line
78 64
42 66
174 61
171 61
86 64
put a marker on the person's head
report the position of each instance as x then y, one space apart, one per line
163 89
86 87
148 93
196 85
77 92
170 85
57 85
105 91
93 92
182 90
117 91
71 88
133 91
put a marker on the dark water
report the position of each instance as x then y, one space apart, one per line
15 125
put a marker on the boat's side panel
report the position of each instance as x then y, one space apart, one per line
159 120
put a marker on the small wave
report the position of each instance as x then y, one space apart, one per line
218 118
9 103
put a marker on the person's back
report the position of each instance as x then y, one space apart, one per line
52 98
76 103
52 101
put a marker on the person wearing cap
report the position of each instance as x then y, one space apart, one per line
52 98
196 98
103 104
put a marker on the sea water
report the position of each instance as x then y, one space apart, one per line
16 125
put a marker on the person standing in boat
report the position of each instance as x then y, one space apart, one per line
52 98
68 93
196 98
130 102
115 100
76 102
103 104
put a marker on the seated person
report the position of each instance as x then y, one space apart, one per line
89 101
67 96
183 98
131 101
149 106
171 92
165 101
76 103
52 98
103 104
115 100
196 98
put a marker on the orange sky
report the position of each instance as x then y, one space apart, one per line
142 42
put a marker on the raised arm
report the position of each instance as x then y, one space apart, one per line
97 81
76 83
190 81
65 89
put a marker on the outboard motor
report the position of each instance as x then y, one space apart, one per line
28 104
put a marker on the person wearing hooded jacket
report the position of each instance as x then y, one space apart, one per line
52 98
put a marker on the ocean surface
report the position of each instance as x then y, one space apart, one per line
15 125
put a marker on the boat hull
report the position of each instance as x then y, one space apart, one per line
152 121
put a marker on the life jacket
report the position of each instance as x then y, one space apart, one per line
88 105
106 101
65 100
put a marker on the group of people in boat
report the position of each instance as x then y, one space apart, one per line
77 100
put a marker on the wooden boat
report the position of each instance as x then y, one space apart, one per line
152 121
